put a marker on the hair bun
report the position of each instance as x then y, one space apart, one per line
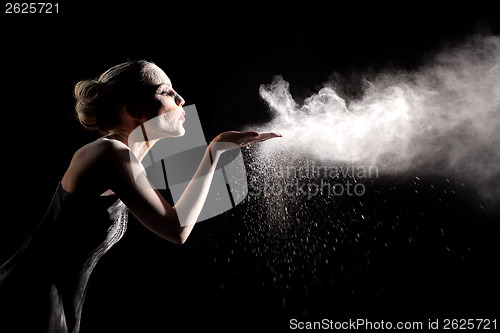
87 94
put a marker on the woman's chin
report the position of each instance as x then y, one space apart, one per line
181 131
175 132
160 133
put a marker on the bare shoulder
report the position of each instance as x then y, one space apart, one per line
101 149
107 145
92 163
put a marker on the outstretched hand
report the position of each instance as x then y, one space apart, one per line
234 139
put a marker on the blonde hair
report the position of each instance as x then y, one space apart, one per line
99 100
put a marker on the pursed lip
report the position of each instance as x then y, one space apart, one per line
183 115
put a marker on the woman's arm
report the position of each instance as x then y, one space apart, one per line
149 206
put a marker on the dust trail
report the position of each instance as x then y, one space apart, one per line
442 119
433 136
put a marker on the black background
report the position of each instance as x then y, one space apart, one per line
217 55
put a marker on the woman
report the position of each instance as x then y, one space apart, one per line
105 180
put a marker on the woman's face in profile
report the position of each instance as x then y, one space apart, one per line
169 118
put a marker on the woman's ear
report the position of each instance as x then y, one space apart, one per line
135 111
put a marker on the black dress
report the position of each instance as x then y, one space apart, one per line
43 285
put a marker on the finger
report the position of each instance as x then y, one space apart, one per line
249 135
267 136
245 138
262 137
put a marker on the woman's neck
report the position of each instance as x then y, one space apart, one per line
136 140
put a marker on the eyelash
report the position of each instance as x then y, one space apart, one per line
168 93
173 94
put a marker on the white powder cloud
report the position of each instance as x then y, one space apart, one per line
443 118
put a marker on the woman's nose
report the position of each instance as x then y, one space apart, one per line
179 100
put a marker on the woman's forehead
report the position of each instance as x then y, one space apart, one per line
158 76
